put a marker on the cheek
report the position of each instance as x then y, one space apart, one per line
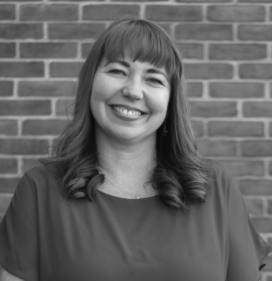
159 103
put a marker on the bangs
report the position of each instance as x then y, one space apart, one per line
144 42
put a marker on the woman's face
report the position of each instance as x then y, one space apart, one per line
129 99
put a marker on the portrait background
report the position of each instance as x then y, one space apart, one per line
226 47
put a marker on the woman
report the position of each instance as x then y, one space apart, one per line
127 197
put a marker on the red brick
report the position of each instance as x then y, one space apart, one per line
262 225
208 71
86 49
191 50
7 12
269 209
253 187
173 13
256 148
55 12
25 107
257 32
237 51
235 129
236 13
23 146
236 90
109 11
8 127
7 50
257 109
198 128
217 148
137 0
28 163
65 107
80 0
255 1
8 166
48 50
271 13
8 185
195 89
65 69
270 90
203 1
43 127
21 31
256 71
4 203
255 207
6 88
213 109
203 32
21 69
75 30
47 88
244 167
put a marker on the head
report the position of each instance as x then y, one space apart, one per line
144 41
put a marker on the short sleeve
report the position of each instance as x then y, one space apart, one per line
247 249
19 233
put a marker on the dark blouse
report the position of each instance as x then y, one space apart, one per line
45 237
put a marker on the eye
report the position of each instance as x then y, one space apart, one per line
117 71
155 81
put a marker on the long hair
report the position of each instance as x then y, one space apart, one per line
179 175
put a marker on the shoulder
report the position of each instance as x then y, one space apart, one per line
220 179
39 172
38 179
217 172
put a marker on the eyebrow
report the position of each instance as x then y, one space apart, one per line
150 70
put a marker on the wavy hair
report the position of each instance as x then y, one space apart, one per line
179 175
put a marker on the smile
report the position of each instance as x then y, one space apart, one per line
126 112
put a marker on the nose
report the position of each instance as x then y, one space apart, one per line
133 90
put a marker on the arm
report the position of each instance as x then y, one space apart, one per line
5 276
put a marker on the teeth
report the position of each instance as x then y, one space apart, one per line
127 112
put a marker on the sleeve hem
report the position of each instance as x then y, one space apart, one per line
16 273
265 254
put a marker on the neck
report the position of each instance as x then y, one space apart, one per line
126 161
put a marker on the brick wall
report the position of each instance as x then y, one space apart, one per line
227 49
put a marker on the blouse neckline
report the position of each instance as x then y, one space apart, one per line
128 199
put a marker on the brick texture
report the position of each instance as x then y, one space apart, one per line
43 88
237 51
7 50
235 13
173 13
235 129
54 12
255 32
227 52
237 90
48 50
6 88
204 32
110 12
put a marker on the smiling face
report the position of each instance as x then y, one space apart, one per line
129 100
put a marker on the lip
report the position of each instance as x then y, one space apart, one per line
121 116
128 107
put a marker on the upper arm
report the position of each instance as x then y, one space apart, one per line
247 249
19 248
6 276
